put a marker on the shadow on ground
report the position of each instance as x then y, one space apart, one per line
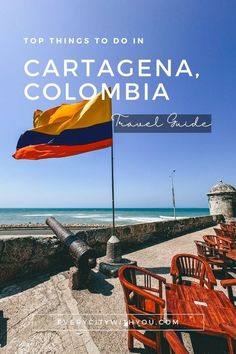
203 344
195 343
22 285
99 285
3 330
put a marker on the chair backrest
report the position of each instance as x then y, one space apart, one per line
211 240
225 233
219 232
138 286
218 243
142 302
204 251
189 265
228 229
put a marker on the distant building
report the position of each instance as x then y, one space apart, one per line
222 200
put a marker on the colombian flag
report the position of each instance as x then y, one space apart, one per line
69 129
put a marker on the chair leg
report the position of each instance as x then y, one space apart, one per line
230 345
225 271
130 341
230 294
159 342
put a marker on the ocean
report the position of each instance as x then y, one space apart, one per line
124 216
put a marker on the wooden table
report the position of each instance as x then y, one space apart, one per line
198 308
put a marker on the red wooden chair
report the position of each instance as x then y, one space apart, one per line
220 232
140 287
229 232
191 266
210 255
230 285
228 228
211 240
221 244
226 236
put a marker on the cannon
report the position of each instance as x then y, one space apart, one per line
83 256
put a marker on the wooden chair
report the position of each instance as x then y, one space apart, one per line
228 228
226 235
211 240
221 244
142 303
210 255
229 231
230 285
191 266
141 288
225 243
220 232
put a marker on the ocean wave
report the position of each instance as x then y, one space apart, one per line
29 215
138 218
172 217
86 216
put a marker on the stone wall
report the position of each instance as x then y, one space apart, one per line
25 256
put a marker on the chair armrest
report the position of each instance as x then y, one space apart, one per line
175 343
229 329
173 268
226 239
228 282
211 277
211 280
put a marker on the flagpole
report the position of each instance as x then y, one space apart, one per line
173 192
112 185
112 174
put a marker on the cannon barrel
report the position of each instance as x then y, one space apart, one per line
82 254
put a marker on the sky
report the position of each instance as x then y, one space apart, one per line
202 32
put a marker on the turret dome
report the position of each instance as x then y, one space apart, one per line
222 187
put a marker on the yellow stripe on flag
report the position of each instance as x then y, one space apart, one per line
73 116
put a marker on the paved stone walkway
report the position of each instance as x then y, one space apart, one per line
44 316
27 311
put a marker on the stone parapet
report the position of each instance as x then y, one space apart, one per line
26 256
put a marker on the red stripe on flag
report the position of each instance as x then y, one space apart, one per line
44 151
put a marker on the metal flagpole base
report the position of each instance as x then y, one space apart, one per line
113 260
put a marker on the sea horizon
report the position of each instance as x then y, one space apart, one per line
98 216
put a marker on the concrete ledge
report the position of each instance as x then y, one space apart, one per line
25 256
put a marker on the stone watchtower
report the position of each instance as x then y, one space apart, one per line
222 200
